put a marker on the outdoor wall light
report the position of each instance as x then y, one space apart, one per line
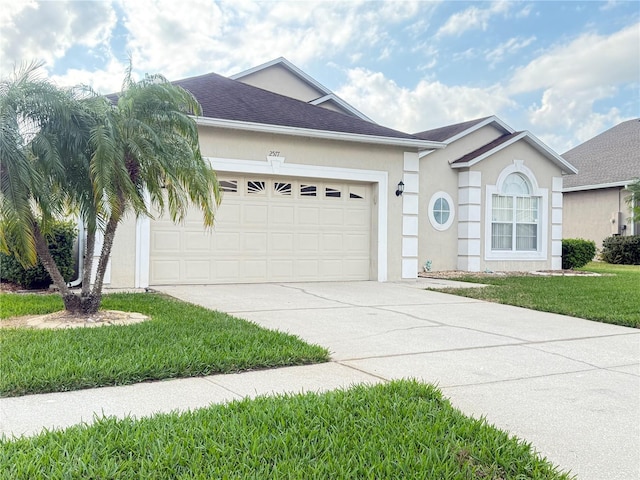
400 189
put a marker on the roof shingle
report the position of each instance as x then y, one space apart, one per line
227 99
611 157
444 133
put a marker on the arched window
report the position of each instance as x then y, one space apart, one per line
515 218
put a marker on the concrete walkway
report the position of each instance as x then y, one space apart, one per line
571 387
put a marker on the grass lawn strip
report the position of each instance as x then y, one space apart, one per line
613 297
403 429
180 340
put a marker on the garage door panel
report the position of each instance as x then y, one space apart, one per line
254 242
281 233
309 216
200 242
332 216
197 270
280 243
282 215
226 270
164 240
255 215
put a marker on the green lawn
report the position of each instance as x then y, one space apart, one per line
403 429
611 298
180 340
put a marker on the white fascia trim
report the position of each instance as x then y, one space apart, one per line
531 140
478 126
324 134
623 183
334 173
289 66
332 97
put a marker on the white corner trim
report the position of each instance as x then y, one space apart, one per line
311 133
143 247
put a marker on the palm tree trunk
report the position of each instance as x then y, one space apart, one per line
109 235
87 261
42 249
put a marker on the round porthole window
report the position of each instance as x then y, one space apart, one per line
441 211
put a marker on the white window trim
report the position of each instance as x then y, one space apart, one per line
452 211
143 239
542 193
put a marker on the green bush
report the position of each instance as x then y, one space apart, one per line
622 250
577 252
61 239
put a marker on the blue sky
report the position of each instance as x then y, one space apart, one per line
565 71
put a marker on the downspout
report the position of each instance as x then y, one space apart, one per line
80 259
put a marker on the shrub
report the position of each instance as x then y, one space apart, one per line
60 240
622 250
577 252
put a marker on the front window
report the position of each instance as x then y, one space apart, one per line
515 216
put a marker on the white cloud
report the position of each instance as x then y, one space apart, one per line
47 30
510 47
573 77
105 80
472 18
428 105
180 39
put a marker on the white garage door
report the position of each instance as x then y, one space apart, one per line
269 230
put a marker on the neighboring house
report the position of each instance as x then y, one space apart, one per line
314 190
595 204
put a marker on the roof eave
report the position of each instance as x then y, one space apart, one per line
579 188
531 140
323 134
289 66
478 126
333 97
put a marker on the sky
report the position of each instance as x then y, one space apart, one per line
564 70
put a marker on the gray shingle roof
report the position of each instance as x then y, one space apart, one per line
444 133
611 157
227 99
485 148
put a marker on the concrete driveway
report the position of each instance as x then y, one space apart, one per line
569 386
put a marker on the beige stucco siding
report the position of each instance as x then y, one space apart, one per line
589 214
438 246
279 80
123 255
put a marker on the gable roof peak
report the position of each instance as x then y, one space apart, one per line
450 133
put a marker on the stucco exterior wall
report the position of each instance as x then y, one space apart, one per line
591 214
279 80
437 246
123 255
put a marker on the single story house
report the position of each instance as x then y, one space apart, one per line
595 200
314 190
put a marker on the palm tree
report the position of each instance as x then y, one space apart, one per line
100 158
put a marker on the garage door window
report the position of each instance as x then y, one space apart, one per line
308 190
281 188
256 187
229 186
332 192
